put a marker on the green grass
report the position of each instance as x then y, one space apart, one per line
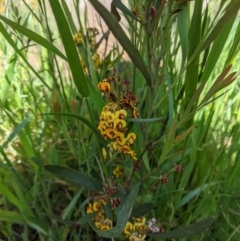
184 71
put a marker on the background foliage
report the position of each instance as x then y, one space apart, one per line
184 69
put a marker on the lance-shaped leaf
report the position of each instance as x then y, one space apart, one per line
74 177
121 36
186 232
70 48
123 213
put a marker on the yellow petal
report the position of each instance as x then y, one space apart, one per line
121 114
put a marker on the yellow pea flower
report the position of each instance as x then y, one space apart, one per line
121 114
128 227
104 86
118 172
96 206
89 208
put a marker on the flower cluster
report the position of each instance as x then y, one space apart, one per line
91 33
98 206
80 39
118 172
96 60
112 123
112 126
125 99
100 220
136 230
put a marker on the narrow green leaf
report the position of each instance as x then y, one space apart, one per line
123 214
120 35
33 36
70 48
74 177
186 232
